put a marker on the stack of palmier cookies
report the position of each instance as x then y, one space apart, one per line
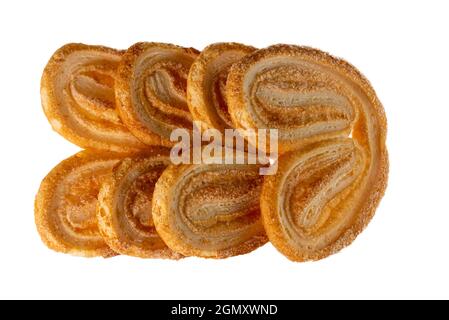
123 195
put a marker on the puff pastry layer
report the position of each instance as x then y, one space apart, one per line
151 90
124 207
77 92
209 211
207 82
65 206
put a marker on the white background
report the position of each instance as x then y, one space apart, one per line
402 47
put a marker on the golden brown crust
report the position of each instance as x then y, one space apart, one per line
150 90
206 83
210 211
124 206
66 201
77 91
326 192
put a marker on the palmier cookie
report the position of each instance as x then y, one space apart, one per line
151 90
207 82
65 206
77 92
124 208
210 211
305 93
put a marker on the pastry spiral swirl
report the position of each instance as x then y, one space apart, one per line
65 206
77 91
297 90
151 90
124 206
207 82
210 211
326 192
